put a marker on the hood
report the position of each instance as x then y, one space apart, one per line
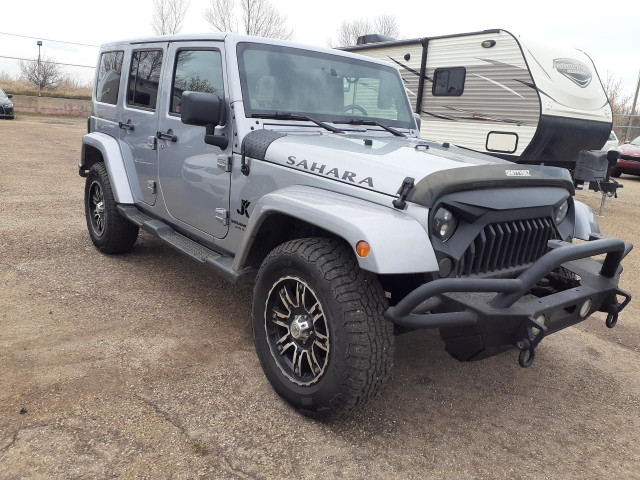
629 149
382 163
375 163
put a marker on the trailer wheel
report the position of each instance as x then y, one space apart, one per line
110 232
319 329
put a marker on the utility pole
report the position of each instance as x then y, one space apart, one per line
633 109
39 81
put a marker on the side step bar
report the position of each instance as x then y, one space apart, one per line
220 264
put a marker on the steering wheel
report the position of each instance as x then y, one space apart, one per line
355 106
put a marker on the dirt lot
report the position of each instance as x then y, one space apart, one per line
142 366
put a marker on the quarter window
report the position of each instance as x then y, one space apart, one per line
144 78
196 71
449 81
108 81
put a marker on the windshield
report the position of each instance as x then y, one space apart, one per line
635 141
2 94
326 87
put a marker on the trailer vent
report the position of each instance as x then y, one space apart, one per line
507 245
374 38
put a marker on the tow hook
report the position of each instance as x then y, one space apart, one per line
614 308
531 334
612 320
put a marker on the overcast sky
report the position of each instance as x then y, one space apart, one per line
609 32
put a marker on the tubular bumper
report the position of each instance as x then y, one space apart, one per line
479 317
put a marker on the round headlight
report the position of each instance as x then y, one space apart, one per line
561 212
444 224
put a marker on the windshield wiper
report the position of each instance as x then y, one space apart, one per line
354 121
298 116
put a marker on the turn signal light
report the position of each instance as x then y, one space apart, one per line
362 248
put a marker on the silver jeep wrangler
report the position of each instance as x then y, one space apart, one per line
301 170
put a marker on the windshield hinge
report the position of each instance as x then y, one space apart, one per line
403 192
224 162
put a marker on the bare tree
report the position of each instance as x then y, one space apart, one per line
386 25
220 16
349 31
168 16
50 73
620 105
257 17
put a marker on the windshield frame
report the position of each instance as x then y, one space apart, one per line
409 124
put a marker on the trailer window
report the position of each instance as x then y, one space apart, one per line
108 77
449 82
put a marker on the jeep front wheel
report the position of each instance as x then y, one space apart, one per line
319 329
110 232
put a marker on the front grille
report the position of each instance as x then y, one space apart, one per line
629 157
507 245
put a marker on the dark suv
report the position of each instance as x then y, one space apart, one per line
6 106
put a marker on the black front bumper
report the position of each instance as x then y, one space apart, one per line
480 317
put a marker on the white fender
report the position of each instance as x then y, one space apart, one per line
110 150
586 222
398 242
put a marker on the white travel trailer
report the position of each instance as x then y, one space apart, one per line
497 93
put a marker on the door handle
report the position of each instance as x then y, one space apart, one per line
126 126
168 135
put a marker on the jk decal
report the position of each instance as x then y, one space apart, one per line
244 208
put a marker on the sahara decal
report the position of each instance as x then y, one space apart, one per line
574 70
322 169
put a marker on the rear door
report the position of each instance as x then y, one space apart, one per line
139 116
194 177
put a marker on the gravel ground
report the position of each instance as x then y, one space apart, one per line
142 365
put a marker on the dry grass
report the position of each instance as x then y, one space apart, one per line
64 90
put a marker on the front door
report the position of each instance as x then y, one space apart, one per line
139 118
194 177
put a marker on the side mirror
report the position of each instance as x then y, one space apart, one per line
9 95
204 110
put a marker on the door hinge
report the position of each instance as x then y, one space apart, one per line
152 142
225 162
222 214
151 185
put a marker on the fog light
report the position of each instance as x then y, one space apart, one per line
585 308
362 248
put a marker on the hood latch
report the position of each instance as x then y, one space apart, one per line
403 192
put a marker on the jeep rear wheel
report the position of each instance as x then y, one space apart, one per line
319 329
110 232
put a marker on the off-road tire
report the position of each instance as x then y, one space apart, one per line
361 351
118 234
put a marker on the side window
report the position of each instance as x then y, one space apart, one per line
196 71
144 78
108 79
449 81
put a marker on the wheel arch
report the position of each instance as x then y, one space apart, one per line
399 244
100 147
